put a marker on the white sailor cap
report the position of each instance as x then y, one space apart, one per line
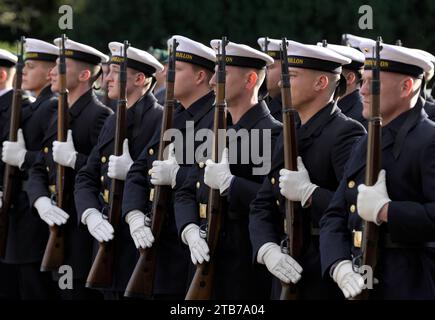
355 41
428 56
355 55
7 59
40 50
273 47
193 52
314 57
82 52
396 59
136 59
240 55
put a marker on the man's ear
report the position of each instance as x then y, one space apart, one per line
3 75
252 79
200 77
350 78
85 75
321 82
139 79
406 87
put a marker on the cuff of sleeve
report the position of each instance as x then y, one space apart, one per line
87 213
263 250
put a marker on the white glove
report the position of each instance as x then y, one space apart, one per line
164 173
296 185
371 199
14 153
51 214
350 282
281 265
64 153
98 226
218 175
1 199
141 234
119 166
199 251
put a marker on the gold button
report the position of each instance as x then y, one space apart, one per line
46 150
106 195
352 208
103 159
149 172
198 184
277 203
47 168
201 164
102 178
272 181
351 184
150 152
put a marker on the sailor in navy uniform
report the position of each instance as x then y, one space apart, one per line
92 189
401 202
238 181
324 138
86 118
194 68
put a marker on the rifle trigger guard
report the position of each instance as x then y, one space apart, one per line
203 230
148 219
53 199
284 246
356 263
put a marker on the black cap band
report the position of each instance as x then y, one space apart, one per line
354 66
314 64
396 67
6 63
274 54
245 62
41 56
134 64
82 56
194 59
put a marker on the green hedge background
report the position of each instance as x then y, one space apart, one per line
150 22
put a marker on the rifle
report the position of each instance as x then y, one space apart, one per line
101 273
369 246
292 244
54 251
10 171
201 287
142 279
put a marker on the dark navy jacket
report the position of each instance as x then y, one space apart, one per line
406 265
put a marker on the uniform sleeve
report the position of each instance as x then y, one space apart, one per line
137 186
29 159
264 216
87 184
334 234
185 206
38 180
181 177
340 154
415 221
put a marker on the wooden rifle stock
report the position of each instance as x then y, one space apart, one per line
369 246
101 273
9 171
141 282
201 287
292 245
54 251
